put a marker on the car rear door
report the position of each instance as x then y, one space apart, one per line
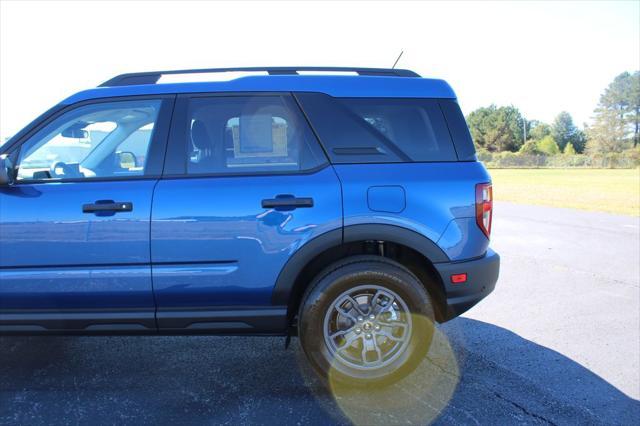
246 185
74 226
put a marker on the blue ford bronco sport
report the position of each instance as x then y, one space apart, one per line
349 210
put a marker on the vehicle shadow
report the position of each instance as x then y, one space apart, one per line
475 373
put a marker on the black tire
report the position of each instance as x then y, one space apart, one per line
351 273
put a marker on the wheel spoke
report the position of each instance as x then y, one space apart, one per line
374 303
394 324
388 307
355 304
364 352
340 333
377 348
390 336
342 311
349 342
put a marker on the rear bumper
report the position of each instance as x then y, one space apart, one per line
482 275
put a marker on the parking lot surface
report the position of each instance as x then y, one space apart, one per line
557 342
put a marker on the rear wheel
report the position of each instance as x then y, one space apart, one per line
366 320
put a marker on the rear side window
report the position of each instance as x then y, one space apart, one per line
379 130
246 134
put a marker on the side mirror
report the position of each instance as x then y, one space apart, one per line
127 160
6 170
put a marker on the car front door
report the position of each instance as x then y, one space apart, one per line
246 184
75 223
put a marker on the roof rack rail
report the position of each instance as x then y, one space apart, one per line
152 77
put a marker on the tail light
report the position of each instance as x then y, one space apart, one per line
484 207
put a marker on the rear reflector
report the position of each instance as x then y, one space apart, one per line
459 278
484 207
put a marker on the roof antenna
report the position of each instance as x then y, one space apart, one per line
396 62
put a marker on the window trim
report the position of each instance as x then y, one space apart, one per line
176 159
157 147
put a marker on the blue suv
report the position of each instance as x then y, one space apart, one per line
349 210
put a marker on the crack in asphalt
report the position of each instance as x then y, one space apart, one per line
524 410
439 367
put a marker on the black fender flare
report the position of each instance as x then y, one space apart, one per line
352 233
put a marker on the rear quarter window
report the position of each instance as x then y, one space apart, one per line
458 129
379 130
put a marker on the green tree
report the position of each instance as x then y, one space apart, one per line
569 149
548 145
564 131
607 133
579 142
530 147
497 128
634 107
617 117
539 130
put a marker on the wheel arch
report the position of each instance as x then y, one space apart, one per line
413 250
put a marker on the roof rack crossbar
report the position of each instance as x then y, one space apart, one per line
153 76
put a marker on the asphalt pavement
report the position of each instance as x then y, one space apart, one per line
557 342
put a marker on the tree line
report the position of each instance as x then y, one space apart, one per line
504 133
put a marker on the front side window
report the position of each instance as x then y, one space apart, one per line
246 134
102 140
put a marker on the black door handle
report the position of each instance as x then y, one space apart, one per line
108 206
287 202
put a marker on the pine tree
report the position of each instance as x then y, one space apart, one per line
617 117
607 133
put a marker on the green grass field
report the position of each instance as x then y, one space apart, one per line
607 190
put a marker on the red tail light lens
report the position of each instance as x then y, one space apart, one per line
484 207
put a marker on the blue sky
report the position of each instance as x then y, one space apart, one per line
543 57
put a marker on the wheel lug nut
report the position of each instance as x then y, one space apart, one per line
372 317
368 336
360 319
358 331
377 327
